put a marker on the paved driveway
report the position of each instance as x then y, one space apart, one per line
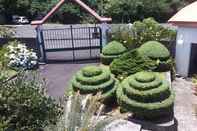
58 76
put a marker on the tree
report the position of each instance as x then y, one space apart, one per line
131 10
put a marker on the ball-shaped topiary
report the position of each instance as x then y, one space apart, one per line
146 95
154 50
111 51
93 79
158 52
130 63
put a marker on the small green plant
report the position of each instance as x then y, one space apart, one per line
111 51
146 95
93 79
130 63
24 105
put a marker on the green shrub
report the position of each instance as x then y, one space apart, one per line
113 48
24 105
111 51
159 53
154 50
130 63
92 79
3 60
133 36
6 31
146 95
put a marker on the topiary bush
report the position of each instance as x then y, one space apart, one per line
111 51
159 53
93 79
130 63
146 95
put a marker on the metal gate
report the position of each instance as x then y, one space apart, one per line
71 44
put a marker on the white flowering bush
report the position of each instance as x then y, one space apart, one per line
19 56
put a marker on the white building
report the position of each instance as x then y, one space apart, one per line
186 43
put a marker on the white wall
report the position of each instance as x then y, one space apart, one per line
185 37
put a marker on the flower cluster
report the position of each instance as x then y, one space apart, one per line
20 57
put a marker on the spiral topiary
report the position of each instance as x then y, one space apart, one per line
158 52
93 79
111 51
146 95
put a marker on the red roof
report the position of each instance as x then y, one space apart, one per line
80 3
186 16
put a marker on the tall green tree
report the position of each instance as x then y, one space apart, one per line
132 10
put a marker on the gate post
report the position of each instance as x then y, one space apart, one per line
39 44
104 28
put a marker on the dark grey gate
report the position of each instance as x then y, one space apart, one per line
71 44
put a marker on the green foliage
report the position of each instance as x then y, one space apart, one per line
147 97
122 11
91 80
6 31
113 48
91 71
159 53
154 50
3 61
111 51
38 8
125 11
80 115
130 63
135 35
24 105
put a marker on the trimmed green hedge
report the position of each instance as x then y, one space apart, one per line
159 53
111 51
93 79
148 101
154 50
130 63
113 48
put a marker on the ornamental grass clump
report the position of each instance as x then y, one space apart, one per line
159 53
93 79
146 95
111 51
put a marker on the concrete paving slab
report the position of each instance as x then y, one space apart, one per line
123 125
